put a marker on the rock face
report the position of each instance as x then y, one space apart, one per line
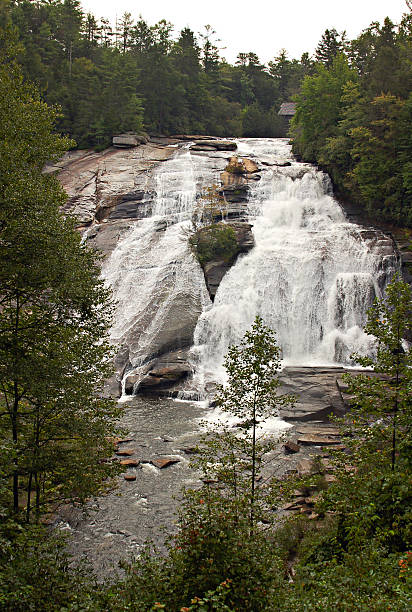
318 393
114 182
159 375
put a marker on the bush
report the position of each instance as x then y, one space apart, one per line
216 241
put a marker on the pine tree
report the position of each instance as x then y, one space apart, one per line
329 46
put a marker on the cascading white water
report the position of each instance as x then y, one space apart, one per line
151 271
310 276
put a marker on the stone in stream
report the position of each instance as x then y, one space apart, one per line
165 462
315 440
130 462
291 447
127 452
130 477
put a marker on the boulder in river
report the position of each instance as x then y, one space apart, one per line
217 145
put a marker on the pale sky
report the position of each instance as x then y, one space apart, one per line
263 26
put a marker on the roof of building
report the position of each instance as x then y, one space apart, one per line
287 108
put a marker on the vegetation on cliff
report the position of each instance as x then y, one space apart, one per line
354 119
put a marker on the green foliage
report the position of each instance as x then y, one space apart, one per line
54 354
319 107
367 579
36 574
214 242
108 80
355 121
251 394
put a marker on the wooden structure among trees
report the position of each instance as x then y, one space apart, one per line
286 112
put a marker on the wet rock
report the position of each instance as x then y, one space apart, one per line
127 452
320 430
316 391
97 182
130 477
130 462
131 210
229 179
291 447
202 148
218 145
315 440
281 164
130 383
162 463
250 166
238 166
215 270
164 377
238 192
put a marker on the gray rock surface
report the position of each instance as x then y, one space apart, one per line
96 183
218 145
128 140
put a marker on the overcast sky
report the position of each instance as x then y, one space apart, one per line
263 26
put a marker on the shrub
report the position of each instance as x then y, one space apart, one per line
216 241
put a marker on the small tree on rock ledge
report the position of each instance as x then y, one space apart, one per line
252 395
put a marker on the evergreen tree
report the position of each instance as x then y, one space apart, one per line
53 320
330 45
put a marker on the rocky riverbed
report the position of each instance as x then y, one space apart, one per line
158 446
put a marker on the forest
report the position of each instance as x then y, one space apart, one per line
354 100
69 80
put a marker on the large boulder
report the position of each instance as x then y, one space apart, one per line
241 165
164 373
218 145
128 141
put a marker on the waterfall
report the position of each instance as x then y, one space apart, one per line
151 271
310 276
